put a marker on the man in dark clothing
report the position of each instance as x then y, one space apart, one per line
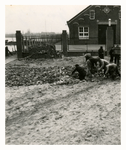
117 52
80 70
101 53
111 53
7 52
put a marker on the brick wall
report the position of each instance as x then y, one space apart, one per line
100 18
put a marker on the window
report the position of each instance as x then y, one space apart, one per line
83 32
92 14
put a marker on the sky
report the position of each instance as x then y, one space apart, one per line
39 18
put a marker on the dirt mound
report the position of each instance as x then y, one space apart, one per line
24 76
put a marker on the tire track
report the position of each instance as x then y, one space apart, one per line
48 103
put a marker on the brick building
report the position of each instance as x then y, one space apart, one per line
91 24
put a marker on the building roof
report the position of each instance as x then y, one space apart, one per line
79 13
86 9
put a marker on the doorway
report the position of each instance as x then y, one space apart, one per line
102 33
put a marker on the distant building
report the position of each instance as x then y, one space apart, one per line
90 25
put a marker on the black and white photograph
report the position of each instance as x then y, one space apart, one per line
63 74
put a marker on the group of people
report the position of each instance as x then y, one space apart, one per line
97 65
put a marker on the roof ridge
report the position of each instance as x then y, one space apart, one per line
85 9
79 13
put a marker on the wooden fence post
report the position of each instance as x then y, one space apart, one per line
22 43
64 42
19 44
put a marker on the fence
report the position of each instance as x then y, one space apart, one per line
78 50
27 45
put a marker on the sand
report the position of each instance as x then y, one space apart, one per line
86 113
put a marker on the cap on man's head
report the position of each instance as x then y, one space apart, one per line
88 55
76 65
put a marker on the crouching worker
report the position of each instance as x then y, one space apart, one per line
80 70
87 56
92 65
112 70
102 65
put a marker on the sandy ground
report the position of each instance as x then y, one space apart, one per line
87 113
10 58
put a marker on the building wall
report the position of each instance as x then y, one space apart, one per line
100 18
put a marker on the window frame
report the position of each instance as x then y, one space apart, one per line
83 32
90 16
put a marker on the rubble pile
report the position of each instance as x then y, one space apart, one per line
45 50
25 76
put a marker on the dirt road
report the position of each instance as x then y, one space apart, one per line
48 114
83 113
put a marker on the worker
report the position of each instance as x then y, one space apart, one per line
101 53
